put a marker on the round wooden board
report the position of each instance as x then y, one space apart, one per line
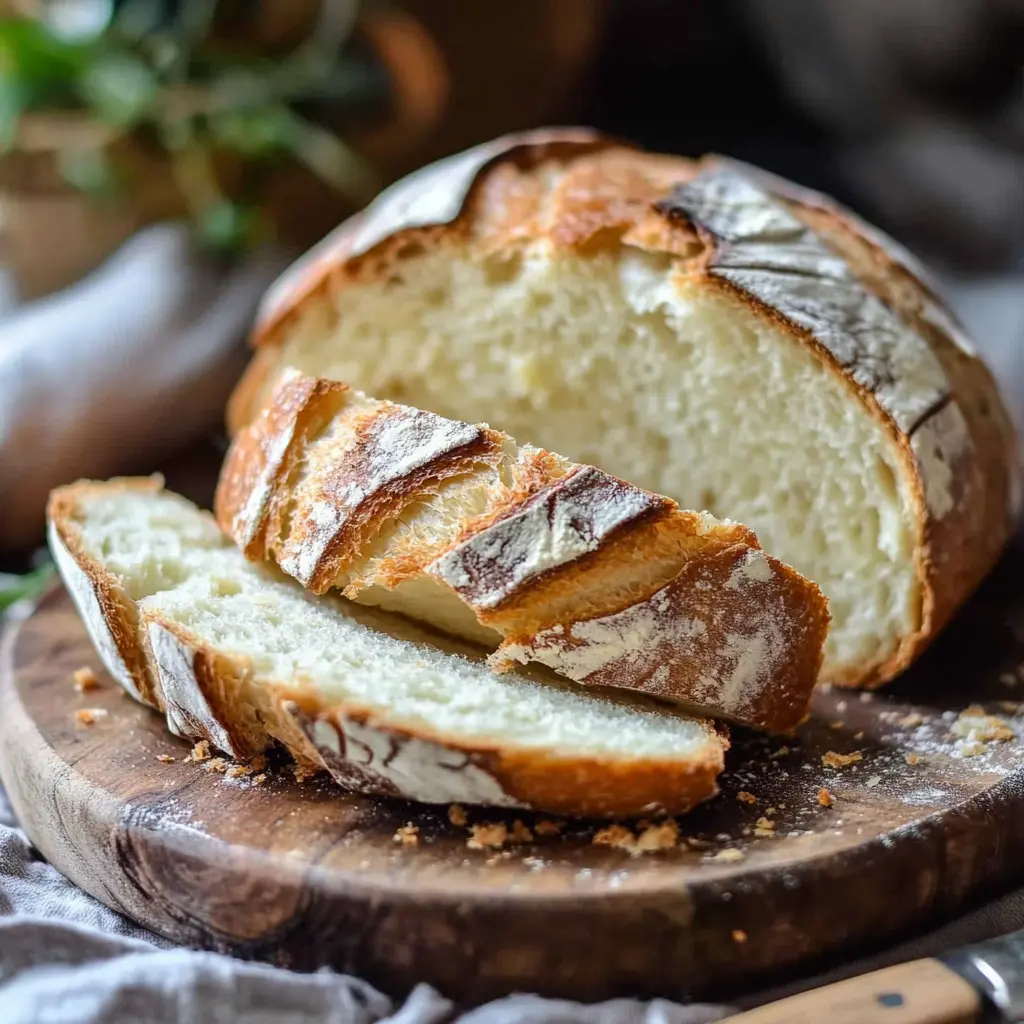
304 875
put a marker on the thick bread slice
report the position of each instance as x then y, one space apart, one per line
239 655
454 524
700 328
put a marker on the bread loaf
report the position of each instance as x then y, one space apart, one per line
700 328
456 525
238 655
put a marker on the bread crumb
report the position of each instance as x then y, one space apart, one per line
216 764
745 797
836 725
407 835
238 771
873 781
841 706
652 837
520 833
85 679
836 760
1011 707
858 736
88 716
615 835
764 825
912 721
825 798
913 759
258 780
663 836
739 935
457 815
487 835
866 698
729 856
975 725
200 752
971 748
258 763
165 758
302 773
781 752
548 827
769 811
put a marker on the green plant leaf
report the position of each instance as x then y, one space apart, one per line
252 133
226 226
90 171
120 88
26 587
36 59
12 103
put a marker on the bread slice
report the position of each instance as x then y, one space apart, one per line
551 562
700 328
236 654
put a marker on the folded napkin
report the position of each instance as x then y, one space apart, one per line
119 370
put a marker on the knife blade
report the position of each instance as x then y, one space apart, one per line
984 981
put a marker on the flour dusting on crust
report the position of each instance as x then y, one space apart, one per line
389 448
373 760
766 252
571 518
83 594
729 656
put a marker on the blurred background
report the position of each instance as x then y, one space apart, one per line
162 160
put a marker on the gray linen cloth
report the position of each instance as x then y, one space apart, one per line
66 958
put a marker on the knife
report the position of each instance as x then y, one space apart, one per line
983 982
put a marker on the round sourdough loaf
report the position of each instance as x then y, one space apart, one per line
700 328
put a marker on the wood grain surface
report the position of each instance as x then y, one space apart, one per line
303 875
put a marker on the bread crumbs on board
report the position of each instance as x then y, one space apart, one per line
520 833
975 725
825 798
744 797
407 835
165 758
548 827
730 856
302 773
200 752
913 759
457 815
89 716
85 679
832 759
487 835
651 837
739 936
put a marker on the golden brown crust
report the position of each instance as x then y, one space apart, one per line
208 694
602 581
745 662
960 445
365 754
107 610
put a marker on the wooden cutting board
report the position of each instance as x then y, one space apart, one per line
303 875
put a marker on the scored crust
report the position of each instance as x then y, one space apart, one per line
605 583
856 298
212 694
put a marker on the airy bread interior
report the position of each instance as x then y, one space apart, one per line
173 560
611 361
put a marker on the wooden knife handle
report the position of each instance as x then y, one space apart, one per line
920 992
